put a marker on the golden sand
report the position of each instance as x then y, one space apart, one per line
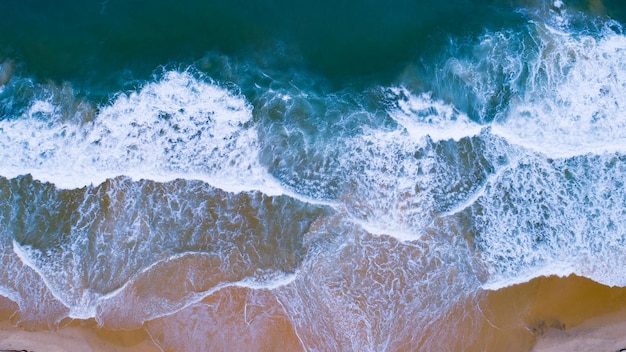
523 315
603 333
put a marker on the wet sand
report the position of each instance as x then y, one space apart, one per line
550 311
605 333
73 338
231 319
545 314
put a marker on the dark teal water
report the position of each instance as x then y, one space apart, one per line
388 159
102 44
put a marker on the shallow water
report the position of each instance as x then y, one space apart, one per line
351 177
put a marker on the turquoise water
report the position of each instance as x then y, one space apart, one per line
387 159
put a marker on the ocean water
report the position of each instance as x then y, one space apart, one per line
354 174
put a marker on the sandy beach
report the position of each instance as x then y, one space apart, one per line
74 338
605 333
72 335
598 334
554 313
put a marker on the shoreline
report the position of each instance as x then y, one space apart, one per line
545 314
602 333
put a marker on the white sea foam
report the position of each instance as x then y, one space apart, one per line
371 293
555 102
574 98
561 216
423 116
193 238
385 178
554 217
554 90
177 127
400 176
110 309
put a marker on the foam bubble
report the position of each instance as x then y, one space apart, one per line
231 319
553 217
401 186
422 116
177 127
553 89
168 245
574 98
372 293
550 199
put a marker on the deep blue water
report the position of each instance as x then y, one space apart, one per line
99 45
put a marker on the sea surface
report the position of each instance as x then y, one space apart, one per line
350 175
